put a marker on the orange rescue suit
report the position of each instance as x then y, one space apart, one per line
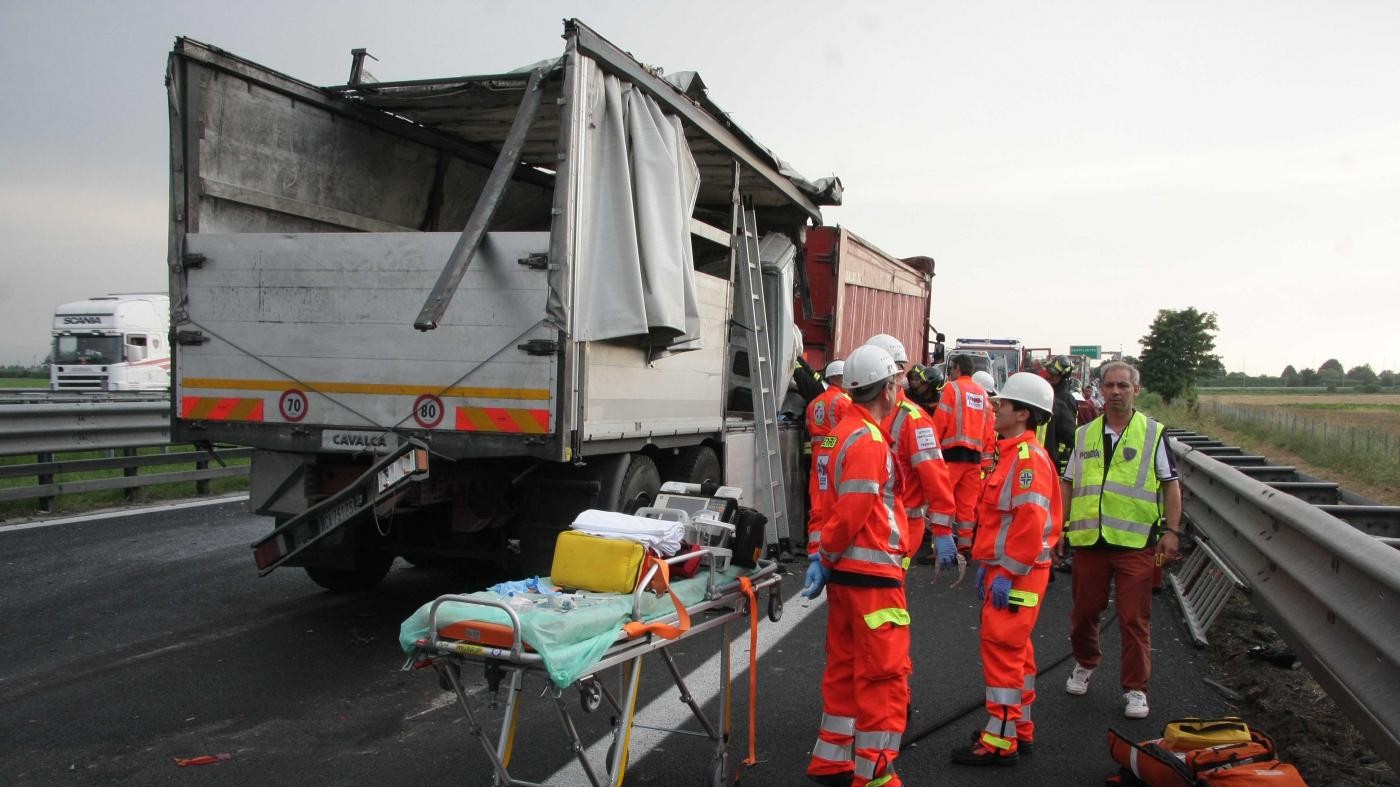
963 421
1018 524
928 492
865 684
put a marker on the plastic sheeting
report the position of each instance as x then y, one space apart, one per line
635 273
570 642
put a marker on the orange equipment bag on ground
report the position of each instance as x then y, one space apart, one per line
1155 764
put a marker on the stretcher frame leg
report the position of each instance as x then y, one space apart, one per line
575 743
710 731
506 745
475 728
726 643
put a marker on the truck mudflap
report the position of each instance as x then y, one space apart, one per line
385 478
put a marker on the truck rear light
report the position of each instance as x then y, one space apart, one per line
268 553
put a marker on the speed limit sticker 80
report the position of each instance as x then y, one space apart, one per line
428 411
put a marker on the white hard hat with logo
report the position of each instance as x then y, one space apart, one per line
985 380
867 368
890 345
1030 389
835 369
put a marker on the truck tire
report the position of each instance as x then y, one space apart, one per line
640 484
370 568
695 465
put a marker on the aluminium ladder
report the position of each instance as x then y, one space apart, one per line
768 467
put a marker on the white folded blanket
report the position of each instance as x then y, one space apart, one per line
660 535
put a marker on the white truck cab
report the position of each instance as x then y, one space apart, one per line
117 342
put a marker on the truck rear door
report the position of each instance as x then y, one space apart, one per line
311 337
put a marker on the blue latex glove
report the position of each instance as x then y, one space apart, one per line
1001 592
947 550
817 574
981 579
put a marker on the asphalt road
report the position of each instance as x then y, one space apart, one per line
129 642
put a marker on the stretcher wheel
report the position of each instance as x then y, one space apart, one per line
590 696
775 606
719 770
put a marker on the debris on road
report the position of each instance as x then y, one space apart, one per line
203 759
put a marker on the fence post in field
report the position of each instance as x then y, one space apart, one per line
45 503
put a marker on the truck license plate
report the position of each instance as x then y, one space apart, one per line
398 471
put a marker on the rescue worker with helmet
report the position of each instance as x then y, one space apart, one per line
823 413
963 424
925 384
1018 525
1058 437
928 493
865 688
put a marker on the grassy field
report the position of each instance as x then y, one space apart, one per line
1353 439
89 501
24 382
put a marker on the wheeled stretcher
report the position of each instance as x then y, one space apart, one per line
464 629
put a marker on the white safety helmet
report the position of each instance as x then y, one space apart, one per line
869 366
890 345
1030 389
835 369
985 380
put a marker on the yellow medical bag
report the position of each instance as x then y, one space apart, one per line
597 564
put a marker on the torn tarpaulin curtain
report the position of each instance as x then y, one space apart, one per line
635 274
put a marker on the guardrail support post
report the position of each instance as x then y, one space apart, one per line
131 492
201 487
45 503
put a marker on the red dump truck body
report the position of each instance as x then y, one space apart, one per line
857 291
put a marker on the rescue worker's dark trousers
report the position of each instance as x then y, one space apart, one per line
865 687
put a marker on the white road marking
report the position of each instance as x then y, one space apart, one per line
668 711
447 699
72 520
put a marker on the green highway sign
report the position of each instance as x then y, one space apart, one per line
1086 350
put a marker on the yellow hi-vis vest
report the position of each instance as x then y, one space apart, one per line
1119 501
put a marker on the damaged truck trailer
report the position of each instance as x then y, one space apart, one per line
450 313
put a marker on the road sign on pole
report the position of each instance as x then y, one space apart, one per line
1086 350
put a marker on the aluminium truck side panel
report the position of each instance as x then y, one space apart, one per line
308 332
679 394
858 291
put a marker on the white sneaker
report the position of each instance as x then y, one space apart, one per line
1078 682
1136 707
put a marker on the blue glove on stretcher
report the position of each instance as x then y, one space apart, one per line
817 574
947 551
1001 592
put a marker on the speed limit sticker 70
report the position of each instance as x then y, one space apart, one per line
292 405
428 411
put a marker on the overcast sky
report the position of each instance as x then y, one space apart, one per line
1072 166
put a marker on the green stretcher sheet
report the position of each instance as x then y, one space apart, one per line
568 642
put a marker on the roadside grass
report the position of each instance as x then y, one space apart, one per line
109 498
1364 461
24 382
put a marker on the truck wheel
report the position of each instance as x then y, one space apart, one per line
695 465
369 569
640 484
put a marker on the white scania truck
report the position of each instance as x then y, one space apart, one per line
117 342
450 313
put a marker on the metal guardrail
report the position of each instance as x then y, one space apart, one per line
1330 589
120 425
82 426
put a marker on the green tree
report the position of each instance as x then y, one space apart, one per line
1386 378
1330 365
1308 377
1362 374
1332 378
1178 350
1289 376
